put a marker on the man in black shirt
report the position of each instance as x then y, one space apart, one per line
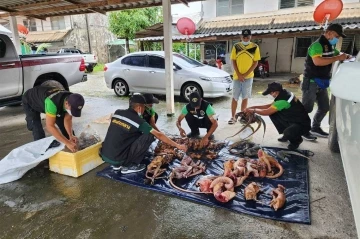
129 137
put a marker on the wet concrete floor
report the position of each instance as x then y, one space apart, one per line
48 205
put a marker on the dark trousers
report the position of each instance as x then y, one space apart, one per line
311 94
33 123
195 124
138 149
291 131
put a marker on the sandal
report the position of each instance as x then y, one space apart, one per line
231 121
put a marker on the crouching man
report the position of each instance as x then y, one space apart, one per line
198 114
59 106
129 137
287 114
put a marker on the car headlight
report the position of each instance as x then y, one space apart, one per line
217 79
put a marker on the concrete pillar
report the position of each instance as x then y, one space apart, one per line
169 71
15 34
202 51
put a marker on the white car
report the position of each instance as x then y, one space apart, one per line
345 126
145 72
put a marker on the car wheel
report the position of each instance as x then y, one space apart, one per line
121 88
53 83
190 88
333 142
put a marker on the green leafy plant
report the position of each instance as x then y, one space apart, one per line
125 23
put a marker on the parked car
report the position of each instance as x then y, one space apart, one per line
90 59
20 73
145 72
344 135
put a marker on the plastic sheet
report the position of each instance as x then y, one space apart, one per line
295 179
26 157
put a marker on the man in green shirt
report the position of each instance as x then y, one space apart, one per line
59 106
318 63
149 115
287 114
129 137
198 114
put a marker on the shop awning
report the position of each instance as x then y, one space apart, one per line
46 36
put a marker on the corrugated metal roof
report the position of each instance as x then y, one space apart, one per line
238 32
282 20
48 8
46 36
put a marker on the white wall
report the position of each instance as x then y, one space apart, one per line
253 6
269 45
209 8
317 2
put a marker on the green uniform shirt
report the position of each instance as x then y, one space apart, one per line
50 108
316 50
209 111
145 128
280 105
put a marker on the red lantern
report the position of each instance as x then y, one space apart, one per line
186 26
328 8
22 29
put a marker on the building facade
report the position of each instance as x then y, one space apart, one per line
87 32
283 29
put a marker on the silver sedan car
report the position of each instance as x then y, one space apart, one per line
145 72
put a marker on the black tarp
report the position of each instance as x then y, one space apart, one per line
295 179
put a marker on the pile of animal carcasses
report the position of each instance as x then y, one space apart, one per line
195 150
236 172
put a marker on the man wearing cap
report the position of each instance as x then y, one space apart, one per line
59 107
198 114
245 56
287 114
321 54
149 115
129 137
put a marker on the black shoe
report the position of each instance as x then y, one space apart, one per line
309 137
294 146
282 139
193 134
319 132
133 168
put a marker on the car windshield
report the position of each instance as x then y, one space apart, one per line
186 61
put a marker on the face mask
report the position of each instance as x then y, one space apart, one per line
245 43
69 112
334 41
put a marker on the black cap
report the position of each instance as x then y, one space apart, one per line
150 99
272 87
195 99
76 102
246 32
138 98
336 28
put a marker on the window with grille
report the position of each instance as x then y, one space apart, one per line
295 3
229 7
57 23
30 24
302 45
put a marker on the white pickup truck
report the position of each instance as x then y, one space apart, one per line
20 73
344 135
90 59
